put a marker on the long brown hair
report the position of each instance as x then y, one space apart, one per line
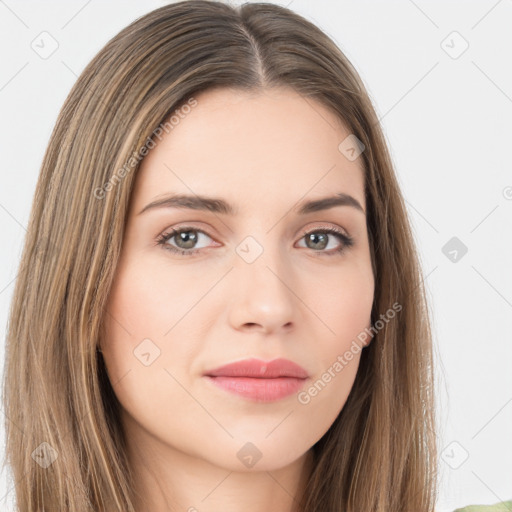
65 444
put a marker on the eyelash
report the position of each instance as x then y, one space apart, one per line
346 240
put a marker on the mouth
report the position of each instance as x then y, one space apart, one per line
259 380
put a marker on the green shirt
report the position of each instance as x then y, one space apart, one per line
504 506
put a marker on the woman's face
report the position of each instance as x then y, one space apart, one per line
248 283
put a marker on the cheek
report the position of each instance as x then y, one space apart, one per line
343 305
148 300
341 300
141 309
143 364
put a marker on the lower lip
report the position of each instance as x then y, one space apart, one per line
260 390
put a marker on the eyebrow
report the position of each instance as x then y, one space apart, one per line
217 205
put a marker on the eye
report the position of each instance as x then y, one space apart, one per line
185 239
318 239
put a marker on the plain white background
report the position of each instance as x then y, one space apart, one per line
440 77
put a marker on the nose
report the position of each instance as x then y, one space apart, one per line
263 296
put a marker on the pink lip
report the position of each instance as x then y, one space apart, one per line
262 381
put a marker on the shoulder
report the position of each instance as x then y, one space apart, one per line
503 506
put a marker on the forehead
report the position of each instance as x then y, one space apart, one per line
275 145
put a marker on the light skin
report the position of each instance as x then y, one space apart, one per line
264 154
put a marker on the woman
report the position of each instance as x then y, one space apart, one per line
221 305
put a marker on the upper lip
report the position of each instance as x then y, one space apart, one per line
258 368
